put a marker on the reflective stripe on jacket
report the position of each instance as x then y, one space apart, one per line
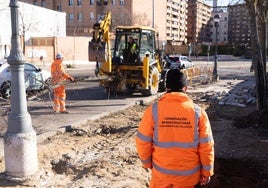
133 47
175 140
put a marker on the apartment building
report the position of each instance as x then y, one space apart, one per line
239 25
176 20
168 17
199 16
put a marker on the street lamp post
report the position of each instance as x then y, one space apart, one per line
152 13
215 76
20 148
173 48
190 51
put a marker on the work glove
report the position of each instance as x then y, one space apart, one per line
71 79
204 180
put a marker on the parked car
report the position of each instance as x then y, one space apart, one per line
35 78
178 62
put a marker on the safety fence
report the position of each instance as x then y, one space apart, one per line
198 73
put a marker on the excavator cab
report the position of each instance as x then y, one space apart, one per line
132 44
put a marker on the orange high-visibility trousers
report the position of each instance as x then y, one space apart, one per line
59 99
156 184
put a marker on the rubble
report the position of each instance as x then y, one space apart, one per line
227 92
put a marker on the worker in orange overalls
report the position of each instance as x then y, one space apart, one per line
58 76
175 140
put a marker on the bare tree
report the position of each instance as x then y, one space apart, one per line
141 19
24 27
120 16
258 24
262 19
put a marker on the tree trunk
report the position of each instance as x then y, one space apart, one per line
263 10
259 70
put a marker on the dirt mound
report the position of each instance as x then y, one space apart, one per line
255 119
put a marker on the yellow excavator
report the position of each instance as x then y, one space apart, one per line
138 70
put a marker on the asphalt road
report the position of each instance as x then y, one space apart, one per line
86 100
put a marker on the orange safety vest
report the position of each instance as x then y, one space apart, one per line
175 139
133 47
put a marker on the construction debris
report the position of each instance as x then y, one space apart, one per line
228 92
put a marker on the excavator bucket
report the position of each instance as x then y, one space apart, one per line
96 51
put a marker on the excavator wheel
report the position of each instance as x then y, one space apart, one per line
153 82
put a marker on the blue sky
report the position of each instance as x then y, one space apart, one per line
222 2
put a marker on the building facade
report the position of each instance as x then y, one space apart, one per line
239 25
179 22
168 17
81 15
176 19
199 16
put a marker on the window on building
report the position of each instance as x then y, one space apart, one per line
71 2
59 8
71 17
91 17
80 17
113 2
35 2
91 2
98 2
122 2
43 3
105 2
79 2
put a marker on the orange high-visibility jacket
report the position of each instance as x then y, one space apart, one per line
57 72
175 139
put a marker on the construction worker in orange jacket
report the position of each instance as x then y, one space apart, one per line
175 140
58 77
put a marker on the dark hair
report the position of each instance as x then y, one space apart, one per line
176 80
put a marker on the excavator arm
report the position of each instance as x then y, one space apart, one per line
99 48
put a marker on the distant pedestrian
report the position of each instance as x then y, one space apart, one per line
58 76
42 61
175 140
